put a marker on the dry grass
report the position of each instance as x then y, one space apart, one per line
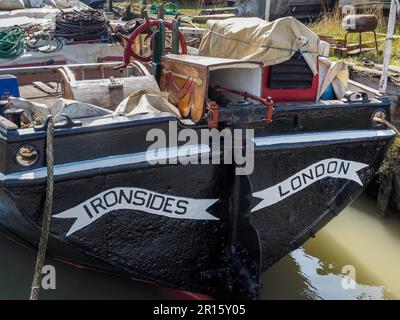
330 25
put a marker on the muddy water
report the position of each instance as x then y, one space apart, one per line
358 242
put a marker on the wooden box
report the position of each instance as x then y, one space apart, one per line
187 79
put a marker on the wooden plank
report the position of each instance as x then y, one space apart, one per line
211 11
371 78
29 92
7 124
192 31
44 87
55 85
358 51
366 44
359 86
203 19
385 35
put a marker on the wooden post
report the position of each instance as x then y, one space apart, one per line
267 9
388 49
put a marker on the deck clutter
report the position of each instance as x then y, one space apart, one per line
186 215
55 34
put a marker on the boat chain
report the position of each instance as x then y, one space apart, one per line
41 255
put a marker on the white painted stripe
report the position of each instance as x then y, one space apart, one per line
189 151
112 161
331 136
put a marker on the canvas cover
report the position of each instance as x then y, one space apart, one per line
335 73
22 4
254 39
147 102
74 109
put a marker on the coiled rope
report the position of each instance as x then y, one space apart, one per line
48 207
81 25
11 42
169 8
42 39
44 43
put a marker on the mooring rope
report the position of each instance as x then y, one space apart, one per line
46 212
388 124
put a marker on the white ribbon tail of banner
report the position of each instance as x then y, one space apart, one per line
332 168
195 209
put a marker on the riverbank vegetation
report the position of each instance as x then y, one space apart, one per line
329 24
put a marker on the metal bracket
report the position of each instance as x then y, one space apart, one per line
269 103
68 123
212 116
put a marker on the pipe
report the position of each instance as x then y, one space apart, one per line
394 7
267 10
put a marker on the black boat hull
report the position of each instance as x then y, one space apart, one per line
195 254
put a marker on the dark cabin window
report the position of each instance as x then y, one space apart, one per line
292 74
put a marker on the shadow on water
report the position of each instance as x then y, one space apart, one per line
16 272
357 240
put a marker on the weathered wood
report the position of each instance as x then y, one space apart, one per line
50 73
371 77
192 31
7 124
385 35
211 11
29 91
356 86
203 19
357 51
44 87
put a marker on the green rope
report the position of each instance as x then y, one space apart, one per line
170 8
12 42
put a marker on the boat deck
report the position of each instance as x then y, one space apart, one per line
41 92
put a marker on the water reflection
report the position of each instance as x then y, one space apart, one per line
358 239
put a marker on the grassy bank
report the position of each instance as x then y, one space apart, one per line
330 25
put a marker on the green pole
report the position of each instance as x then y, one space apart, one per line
175 36
159 50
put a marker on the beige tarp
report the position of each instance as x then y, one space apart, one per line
147 102
254 39
73 109
335 73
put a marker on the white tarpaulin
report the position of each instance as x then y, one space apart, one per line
32 5
254 39
43 15
71 54
335 73
73 109
145 102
